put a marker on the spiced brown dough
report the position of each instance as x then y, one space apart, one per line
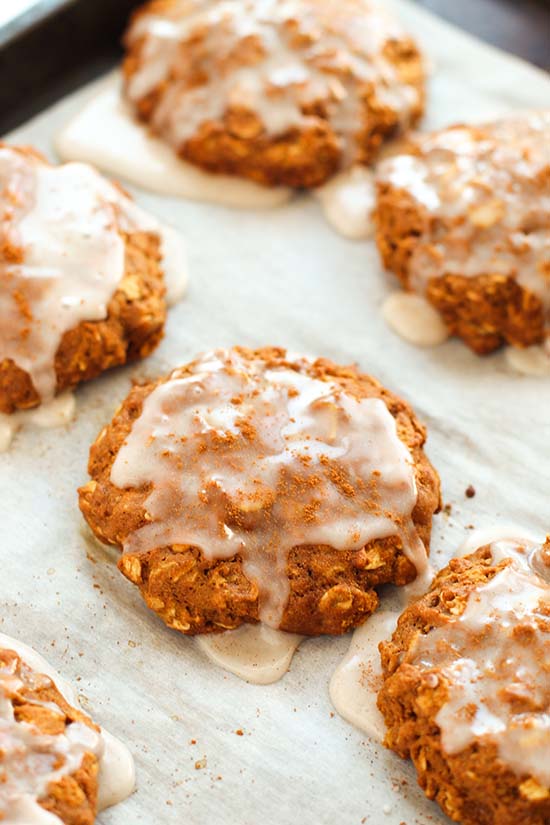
73 798
474 786
330 590
237 143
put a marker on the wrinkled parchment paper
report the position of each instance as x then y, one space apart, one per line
280 277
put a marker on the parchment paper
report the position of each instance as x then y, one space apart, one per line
278 277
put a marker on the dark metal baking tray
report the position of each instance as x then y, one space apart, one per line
54 48
58 45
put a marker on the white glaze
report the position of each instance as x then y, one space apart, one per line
496 656
174 263
18 797
531 360
357 680
348 201
509 533
117 772
256 653
55 413
414 319
485 208
271 58
257 496
104 133
412 591
63 256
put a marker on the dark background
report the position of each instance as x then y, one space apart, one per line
518 26
55 48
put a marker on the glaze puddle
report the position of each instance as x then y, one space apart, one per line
358 678
348 200
105 134
56 413
256 653
414 319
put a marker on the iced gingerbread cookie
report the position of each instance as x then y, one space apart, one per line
258 486
463 220
85 275
56 765
283 92
466 691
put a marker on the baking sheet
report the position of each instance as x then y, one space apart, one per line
280 277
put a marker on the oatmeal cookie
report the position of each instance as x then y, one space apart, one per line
283 92
82 286
49 753
254 485
466 693
463 219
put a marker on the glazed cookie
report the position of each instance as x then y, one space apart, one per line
464 220
259 486
280 92
466 694
82 286
52 757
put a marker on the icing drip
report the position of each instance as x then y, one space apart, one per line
62 256
254 652
484 192
31 761
247 459
358 678
495 658
348 201
273 58
414 319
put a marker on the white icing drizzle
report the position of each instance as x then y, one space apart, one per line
55 413
484 194
511 534
348 200
414 319
356 681
31 760
272 58
104 133
62 256
174 260
495 657
251 459
254 652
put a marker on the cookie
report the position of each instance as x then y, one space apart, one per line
256 485
466 693
284 92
